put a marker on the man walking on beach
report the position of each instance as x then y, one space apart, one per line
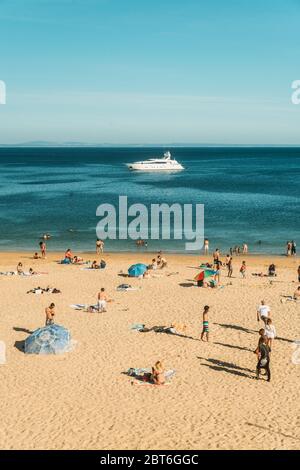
263 312
205 330
50 314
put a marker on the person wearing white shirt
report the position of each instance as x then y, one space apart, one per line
270 332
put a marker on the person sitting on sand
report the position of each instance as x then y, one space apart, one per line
158 374
20 269
153 264
292 298
263 312
102 300
177 328
50 314
205 330
32 272
68 254
161 262
35 256
270 332
272 270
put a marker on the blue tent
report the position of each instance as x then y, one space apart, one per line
51 339
137 270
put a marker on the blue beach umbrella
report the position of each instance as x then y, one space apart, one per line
51 339
137 270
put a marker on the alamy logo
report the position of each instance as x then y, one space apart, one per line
136 222
296 94
2 92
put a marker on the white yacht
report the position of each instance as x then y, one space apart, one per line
165 163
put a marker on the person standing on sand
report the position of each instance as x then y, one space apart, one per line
288 248
102 300
217 276
229 265
298 271
206 246
50 314
293 248
205 330
99 246
216 256
245 249
43 249
243 269
263 354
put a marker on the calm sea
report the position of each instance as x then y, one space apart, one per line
250 194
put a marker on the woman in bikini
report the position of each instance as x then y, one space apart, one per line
158 374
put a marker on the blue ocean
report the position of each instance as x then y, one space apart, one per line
250 195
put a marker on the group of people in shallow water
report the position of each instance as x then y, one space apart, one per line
236 250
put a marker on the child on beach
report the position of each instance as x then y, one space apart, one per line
50 314
205 330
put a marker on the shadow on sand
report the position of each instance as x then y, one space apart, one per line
228 367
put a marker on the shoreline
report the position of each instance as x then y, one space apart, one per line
146 256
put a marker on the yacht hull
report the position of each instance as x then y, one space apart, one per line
146 167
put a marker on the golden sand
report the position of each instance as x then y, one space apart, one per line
81 400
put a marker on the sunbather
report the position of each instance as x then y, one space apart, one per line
158 374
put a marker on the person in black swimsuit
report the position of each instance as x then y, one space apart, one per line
263 353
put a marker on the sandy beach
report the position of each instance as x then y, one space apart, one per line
82 399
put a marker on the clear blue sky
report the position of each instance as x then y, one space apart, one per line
141 71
